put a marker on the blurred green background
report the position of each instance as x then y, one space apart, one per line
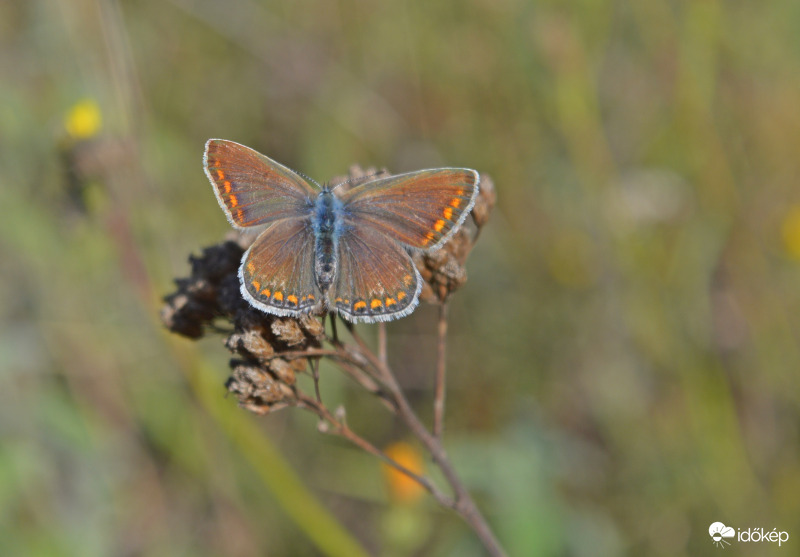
624 360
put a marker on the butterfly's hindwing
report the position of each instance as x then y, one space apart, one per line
377 281
277 271
420 209
253 189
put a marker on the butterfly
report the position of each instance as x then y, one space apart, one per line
326 251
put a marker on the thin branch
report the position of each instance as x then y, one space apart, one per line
307 353
314 363
343 430
366 381
463 503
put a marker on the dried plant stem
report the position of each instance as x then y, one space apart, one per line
307 353
341 428
462 503
439 391
351 365
314 363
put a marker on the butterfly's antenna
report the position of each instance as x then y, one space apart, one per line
358 178
310 179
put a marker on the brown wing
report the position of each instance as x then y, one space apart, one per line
253 189
377 281
277 272
420 209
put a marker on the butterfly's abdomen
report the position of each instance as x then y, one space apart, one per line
327 223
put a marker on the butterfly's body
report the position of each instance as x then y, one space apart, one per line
321 251
327 222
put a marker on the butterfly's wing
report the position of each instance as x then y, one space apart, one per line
420 209
377 281
253 189
277 274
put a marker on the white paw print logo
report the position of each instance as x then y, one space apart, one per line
718 532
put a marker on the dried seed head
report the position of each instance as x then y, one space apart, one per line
258 390
207 293
261 378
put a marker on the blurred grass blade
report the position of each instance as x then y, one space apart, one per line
298 502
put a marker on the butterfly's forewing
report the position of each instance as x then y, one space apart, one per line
420 209
377 281
253 189
277 275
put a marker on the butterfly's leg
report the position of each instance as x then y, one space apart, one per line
334 331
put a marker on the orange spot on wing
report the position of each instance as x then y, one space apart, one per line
233 200
438 225
375 303
401 295
407 280
256 285
390 302
455 202
429 236
448 212
266 292
361 304
221 174
311 297
278 296
292 299
227 185
251 267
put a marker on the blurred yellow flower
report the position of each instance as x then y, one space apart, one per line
403 489
790 229
83 120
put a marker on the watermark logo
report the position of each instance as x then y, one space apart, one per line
721 534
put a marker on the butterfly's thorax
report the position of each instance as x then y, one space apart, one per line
327 222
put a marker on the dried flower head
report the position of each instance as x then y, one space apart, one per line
268 348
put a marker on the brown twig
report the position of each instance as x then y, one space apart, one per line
462 502
363 378
341 428
307 353
314 365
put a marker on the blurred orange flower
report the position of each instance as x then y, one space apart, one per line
403 489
